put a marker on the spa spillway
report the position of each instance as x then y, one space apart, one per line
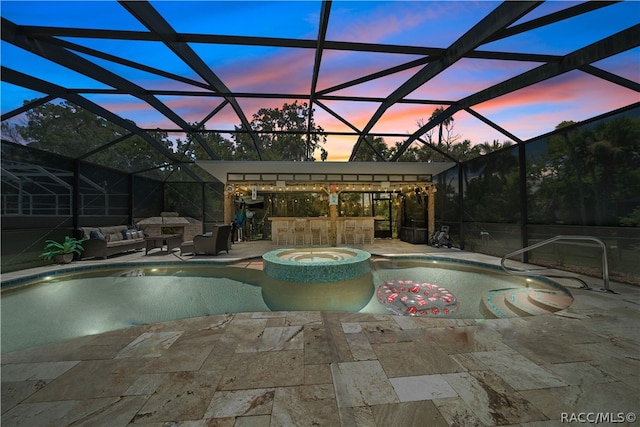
317 265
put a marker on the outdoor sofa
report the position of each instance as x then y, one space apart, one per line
105 241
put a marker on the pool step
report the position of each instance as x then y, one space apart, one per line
518 302
494 303
552 300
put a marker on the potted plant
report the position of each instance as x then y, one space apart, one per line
63 252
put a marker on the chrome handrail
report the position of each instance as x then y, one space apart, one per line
605 266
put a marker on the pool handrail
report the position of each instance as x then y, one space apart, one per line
605 266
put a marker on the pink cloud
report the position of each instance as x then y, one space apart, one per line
123 105
577 90
377 24
289 72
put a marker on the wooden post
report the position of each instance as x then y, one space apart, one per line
229 208
333 225
431 214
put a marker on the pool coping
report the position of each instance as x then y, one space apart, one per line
16 282
12 283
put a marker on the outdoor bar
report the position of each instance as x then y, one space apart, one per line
333 181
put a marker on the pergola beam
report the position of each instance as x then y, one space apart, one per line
612 45
56 44
127 63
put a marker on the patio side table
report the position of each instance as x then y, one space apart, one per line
172 241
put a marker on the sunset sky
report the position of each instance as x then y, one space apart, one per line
525 113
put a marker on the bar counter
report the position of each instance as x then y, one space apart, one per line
316 230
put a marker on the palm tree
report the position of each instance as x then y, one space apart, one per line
446 124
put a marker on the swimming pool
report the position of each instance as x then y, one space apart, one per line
96 300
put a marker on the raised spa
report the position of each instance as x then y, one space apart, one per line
316 265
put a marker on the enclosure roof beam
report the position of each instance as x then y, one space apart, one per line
500 18
20 79
150 18
325 11
433 52
27 106
612 45
493 125
81 65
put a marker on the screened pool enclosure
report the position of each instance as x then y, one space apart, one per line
522 119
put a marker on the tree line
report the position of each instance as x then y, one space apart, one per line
286 133
584 175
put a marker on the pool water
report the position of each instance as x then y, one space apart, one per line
314 258
98 301
466 282
316 255
71 308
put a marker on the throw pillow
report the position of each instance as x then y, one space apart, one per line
96 235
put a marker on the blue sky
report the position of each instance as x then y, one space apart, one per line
525 113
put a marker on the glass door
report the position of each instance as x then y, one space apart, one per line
381 210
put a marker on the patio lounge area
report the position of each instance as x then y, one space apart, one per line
336 369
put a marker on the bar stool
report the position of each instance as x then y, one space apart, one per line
367 233
282 232
317 228
349 232
299 228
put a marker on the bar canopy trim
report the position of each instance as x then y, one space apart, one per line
283 173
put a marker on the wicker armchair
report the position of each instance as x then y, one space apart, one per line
219 240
